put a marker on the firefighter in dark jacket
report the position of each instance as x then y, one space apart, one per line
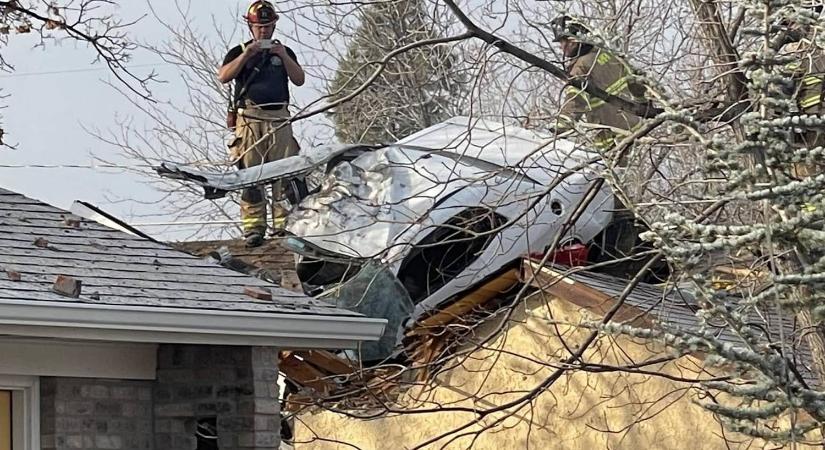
597 66
262 69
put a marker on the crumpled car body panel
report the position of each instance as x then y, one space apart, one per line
217 184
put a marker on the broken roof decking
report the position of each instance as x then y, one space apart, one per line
121 269
269 256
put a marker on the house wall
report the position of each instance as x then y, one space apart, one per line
95 414
579 410
235 385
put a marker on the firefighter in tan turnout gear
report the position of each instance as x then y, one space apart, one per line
262 69
593 65
808 83
598 67
811 89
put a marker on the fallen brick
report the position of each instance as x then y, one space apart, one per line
70 222
257 293
67 286
13 275
41 242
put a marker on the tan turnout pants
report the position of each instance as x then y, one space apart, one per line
262 136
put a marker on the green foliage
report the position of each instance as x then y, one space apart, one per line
417 88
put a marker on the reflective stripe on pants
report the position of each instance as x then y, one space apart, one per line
262 137
810 101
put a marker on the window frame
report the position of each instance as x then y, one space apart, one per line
25 408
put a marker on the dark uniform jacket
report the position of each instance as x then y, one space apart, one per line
269 85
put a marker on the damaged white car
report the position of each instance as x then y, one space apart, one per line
397 231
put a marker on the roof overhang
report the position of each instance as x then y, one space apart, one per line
184 326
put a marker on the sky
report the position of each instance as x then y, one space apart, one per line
56 94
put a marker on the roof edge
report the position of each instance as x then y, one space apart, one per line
184 325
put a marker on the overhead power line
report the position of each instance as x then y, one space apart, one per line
74 166
79 70
190 223
210 164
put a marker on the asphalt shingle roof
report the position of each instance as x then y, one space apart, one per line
117 268
676 308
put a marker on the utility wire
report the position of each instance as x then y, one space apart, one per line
72 166
186 224
64 71
104 166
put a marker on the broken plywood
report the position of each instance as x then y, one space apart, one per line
469 302
298 371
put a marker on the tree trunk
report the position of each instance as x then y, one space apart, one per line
720 45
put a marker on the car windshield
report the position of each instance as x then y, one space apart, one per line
374 292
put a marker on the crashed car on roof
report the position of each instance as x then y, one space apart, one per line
397 231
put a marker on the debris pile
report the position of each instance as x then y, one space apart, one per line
326 378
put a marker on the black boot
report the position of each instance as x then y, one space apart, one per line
254 240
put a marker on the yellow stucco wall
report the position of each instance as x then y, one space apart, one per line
581 410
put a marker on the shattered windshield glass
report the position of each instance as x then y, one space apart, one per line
375 292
